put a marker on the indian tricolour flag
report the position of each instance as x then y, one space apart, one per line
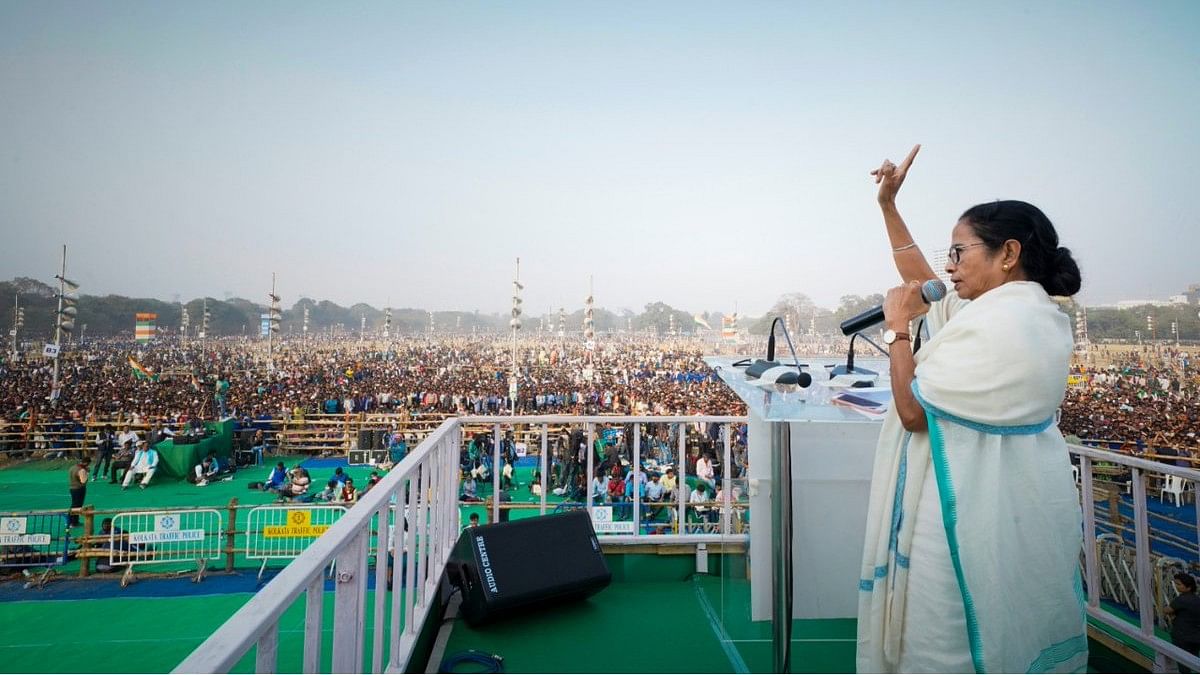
145 326
729 328
141 372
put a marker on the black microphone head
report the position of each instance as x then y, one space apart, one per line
933 290
804 379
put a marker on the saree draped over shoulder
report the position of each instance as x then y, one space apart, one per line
971 556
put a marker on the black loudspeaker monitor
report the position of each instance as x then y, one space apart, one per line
364 439
357 457
506 568
379 439
379 456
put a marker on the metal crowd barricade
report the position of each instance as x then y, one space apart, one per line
154 537
283 532
32 539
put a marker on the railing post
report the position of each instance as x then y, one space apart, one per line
314 616
1142 549
1089 532
496 470
89 526
681 480
727 482
268 649
231 535
591 464
349 593
382 545
545 465
637 479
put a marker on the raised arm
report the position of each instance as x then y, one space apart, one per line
910 262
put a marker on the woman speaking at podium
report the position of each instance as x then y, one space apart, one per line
973 535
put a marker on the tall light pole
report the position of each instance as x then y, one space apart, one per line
18 321
515 325
274 315
64 318
589 333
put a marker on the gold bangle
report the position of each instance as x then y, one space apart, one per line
905 248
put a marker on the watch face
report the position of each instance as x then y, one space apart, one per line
889 336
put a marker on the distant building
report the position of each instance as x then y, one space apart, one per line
938 261
1193 294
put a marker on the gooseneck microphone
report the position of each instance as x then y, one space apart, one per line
931 291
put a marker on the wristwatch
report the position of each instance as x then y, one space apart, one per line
890 336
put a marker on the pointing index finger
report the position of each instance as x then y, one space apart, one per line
909 160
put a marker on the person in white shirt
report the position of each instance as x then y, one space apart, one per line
704 470
145 463
128 434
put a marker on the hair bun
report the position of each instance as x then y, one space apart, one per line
1064 278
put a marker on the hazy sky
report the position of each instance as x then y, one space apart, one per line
697 153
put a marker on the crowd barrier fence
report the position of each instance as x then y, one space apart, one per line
150 537
34 539
284 532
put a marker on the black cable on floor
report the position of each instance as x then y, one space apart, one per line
492 663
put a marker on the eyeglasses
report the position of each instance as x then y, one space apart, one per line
955 252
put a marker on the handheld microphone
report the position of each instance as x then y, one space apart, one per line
931 291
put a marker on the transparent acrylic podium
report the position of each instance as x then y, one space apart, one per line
827 452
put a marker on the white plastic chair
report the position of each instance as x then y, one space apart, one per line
1175 486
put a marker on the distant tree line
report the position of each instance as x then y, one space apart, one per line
113 315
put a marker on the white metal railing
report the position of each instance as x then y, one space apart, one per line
415 510
728 506
1143 572
425 483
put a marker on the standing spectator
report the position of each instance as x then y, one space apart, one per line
105 440
1185 609
77 480
145 463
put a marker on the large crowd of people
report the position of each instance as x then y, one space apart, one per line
1146 396
452 375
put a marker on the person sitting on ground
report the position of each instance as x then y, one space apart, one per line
535 486
348 495
340 477
329 494
470 490
654 493
668 483
699 495
206 470
145 463
276 480
297 485
121 462
473 520
372 481
506 476
113 539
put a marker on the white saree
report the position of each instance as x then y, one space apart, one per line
971 556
